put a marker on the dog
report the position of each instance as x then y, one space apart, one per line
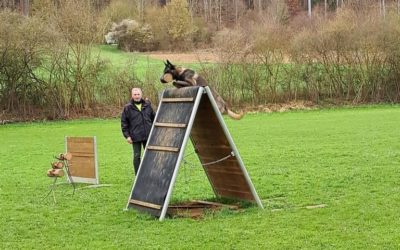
183 77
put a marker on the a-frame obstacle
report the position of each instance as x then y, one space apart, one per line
182 114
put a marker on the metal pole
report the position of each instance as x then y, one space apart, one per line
96 163
181 152
309 8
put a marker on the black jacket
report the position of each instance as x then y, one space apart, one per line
135 123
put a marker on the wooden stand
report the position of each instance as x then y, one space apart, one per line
58 170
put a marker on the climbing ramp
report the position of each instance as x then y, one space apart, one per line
182 114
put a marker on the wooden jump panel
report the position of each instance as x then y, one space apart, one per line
161 155
82 167
235 194
83 162
161 148
211 143
182 99
144 204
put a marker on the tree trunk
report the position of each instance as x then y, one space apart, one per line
398 6
141 4
237 11
25 9
383 9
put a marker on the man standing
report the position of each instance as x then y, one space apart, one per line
136 121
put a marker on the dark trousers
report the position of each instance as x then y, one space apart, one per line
137 150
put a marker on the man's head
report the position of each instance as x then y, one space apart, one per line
136 94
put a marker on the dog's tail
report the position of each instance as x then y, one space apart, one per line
235 116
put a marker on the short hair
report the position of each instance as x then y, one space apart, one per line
137 89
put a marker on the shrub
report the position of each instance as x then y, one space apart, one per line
130 36
178 24
23 43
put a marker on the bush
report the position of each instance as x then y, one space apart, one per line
177 23
23 45
130 36
353 57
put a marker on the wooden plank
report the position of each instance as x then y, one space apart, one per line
81 154
82 167
182 99
235 194
170 125
216 204
161 148
223 171
144 204
225 179
239 187
214 146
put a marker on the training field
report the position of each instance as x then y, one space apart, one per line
347 159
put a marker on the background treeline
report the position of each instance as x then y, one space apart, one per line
50 64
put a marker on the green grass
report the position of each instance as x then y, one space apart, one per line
348 159
143 64
120 60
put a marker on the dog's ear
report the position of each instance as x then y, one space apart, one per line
170 65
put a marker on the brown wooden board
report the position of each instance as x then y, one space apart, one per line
211 144
82 166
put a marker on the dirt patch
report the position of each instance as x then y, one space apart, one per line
194 57
197 209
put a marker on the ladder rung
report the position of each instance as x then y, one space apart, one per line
170 125
183 99
144 204
161 148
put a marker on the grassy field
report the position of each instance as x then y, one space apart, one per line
142 63
348 159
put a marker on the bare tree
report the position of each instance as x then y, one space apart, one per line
141 8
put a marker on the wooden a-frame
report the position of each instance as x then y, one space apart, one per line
182 114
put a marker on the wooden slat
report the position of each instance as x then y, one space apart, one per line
161 148
216 204
236 194
170 125
182 99
227 180
144 204
81 154
218 170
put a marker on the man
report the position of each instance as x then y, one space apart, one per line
136 121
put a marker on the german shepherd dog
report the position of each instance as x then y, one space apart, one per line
182 77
